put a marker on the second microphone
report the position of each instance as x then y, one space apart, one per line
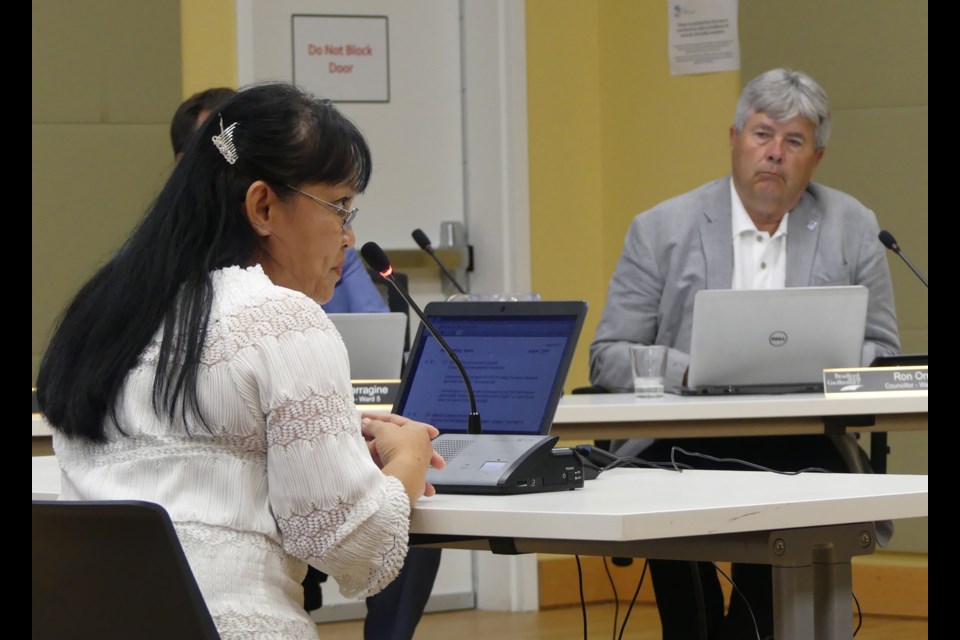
424 243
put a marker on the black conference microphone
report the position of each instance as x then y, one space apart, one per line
888 241
424 243
378 260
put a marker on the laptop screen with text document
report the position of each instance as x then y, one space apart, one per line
516 355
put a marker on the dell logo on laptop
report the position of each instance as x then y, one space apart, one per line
778 338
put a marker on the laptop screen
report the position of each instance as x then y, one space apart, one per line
516 355
374 343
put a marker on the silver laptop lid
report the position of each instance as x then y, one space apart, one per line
374 343
775 336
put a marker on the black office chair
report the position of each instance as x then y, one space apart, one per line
112 570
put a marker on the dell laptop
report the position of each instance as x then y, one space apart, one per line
773 340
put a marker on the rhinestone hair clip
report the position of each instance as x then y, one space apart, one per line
224 142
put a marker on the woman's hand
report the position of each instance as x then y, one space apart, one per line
402 448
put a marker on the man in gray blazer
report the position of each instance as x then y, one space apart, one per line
764 226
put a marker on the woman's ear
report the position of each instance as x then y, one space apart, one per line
258 203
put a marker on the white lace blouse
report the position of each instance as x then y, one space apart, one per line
284 477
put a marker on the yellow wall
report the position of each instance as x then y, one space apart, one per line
565 160
611 133
102 100
208 44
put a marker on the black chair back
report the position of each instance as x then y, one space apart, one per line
112 569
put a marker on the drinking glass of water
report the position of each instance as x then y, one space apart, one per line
649 364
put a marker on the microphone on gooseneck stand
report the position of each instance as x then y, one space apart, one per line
424 243
378 260
888 241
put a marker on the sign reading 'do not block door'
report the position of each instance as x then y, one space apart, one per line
344 58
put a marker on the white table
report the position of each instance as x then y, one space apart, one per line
808 527
622 415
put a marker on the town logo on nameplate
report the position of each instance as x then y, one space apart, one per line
874 380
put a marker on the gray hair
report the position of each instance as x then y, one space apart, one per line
783 94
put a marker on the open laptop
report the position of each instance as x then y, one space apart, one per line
516 355
374 343
773 340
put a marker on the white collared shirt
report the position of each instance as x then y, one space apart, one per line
759 259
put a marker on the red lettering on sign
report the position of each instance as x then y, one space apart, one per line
340 68
356 50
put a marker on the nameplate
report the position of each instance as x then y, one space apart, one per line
366 392
875 380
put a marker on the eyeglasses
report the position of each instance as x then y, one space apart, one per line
347 216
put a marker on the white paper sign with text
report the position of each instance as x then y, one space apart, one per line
344 58
703 36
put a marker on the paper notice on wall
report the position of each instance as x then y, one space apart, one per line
703 36
344 58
